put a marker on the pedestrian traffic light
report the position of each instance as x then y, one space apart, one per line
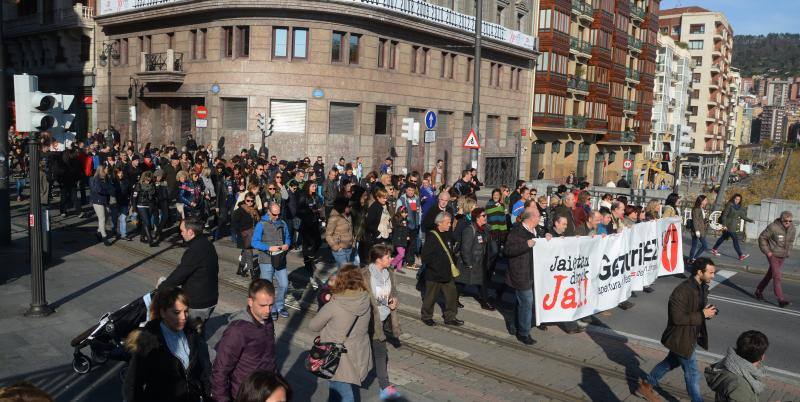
39 111
261 122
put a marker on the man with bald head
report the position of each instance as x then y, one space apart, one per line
589 228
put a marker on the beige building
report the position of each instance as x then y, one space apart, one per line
337 77
709 38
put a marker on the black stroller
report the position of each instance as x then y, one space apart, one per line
106 338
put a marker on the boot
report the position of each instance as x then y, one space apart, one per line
107 241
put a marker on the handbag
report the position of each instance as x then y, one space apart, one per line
453 268
278 260
323 358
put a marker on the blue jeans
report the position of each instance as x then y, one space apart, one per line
20 187
703 247
691 373
524 312
281 279
725 235
340 391
342 256
118 220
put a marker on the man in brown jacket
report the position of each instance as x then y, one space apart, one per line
339 232
687 313
775 242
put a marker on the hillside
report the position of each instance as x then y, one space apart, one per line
774 54
764 185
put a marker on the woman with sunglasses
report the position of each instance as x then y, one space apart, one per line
309 212
473 256
243 221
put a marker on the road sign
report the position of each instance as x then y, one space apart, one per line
627 164
201 112
472 141
201 123
430 119
430 136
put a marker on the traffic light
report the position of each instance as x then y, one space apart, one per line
270 123
265 124
39 111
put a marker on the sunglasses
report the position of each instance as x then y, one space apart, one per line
271 188
789 221
248 201
278 176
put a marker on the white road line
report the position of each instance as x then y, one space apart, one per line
721 276
708 356
773 309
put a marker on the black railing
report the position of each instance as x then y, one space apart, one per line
160 62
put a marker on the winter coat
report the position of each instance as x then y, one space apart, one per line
686 325
400 236
699 223
520 258
330 192
243 224
155 374
197 274
734 379
427 198
372 221
144 195
121 189
376 326
339 231
170 174
334 320
99 191
472 261
563 210
246 346
435 257
777 239
732 216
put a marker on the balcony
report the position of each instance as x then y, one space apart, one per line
161 68
580 47
634 44
625 136
637 13
715 68
629 106
577 122
583 11
632 75
50 20
578 85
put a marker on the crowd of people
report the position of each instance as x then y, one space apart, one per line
375 224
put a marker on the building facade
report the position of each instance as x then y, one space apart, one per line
773 124
337 77
671 133
709 38
53 40
593 92
778 93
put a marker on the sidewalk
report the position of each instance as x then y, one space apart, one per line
756 263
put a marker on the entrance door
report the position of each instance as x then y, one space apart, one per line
537 158
599 168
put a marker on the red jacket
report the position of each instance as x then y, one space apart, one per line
85 162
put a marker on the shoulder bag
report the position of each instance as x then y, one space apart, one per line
323 358
453 268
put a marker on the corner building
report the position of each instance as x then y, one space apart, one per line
593 88
337 76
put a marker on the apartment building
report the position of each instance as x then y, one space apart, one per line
337 77
593 95
52 39
709 38
773 124
671 133
778 93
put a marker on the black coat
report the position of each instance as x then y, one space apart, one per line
243 224
372 221
472 261
563 210
435 258
197 274
171 174
686 325
155 374
520 258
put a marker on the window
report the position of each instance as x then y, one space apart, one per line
697 28
470 66
612 156
414 54
393 55
342 118
419 59
556 20
300 43
381 53
234 113
569 148
499 15
122 48
555 147
664 30
227 41
520 20
697 61
695 44
443 124
447 66
355 41
193 44
513 83
696 94
337 47
696 77
443 69
382 120
512 128
289 116
280 42
242 41
144 43
676 30
492 126
171 40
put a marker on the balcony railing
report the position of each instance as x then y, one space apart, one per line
575 122
420 9
580 45
169 61
76 15
629 105
632 74
579 7
634 43
578 84
628 136
637 12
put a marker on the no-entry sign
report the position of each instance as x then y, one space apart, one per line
201 112
627 164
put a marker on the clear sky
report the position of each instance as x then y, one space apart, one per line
751 17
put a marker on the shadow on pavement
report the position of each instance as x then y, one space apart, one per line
102 383
594 386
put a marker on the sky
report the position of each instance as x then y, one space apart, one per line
751 17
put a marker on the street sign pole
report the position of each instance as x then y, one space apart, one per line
38 307
5 206
476 82
723 186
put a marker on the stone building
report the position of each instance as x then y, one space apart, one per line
337 76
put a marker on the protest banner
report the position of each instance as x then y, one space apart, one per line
576 277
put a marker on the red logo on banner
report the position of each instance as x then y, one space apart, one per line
669 254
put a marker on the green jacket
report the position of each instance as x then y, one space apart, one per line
731 217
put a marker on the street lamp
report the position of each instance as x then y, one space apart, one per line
109 52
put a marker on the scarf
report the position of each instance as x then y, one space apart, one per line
251 211
741 367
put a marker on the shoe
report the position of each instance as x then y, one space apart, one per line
488 306
715 252
459 304
646 391
542 327
648 289
743 257
389 393
626 305
99 236
152 244
107 242
284 313
142 239
81 215
455 322
784 303
758 295
429 322
274 316
526 340
63 215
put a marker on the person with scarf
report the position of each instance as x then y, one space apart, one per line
731 218
243 221
740 375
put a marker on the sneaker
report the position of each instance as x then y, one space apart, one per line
715 252
784 303
389 393
743 257
284 313
81 215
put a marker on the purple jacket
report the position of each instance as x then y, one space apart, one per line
246 346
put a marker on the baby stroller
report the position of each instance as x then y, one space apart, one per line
106 338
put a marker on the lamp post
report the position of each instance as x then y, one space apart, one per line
109 52
133 91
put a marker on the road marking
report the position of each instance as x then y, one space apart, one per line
725 275
709 357
793 313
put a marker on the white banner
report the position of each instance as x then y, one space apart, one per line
579 276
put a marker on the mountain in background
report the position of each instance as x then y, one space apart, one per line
774 55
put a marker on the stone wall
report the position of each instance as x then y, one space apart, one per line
766 212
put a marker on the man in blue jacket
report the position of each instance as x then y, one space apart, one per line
271 239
